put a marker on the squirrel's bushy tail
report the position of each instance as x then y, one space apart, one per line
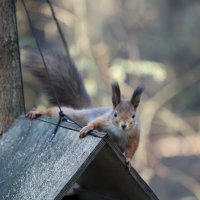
64 76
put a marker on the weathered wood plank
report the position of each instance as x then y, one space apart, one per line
107 177
31 167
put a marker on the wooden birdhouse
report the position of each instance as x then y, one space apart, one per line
34 167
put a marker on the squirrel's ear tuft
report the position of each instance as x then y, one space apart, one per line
116 96
135 99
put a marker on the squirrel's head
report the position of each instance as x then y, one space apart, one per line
124 111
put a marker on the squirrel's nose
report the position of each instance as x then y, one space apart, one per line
123 126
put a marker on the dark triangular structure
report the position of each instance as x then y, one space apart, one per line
34 168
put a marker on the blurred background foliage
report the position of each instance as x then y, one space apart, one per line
153 42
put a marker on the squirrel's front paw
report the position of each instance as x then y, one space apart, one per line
84 131
33 114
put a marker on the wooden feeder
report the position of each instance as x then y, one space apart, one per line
32 167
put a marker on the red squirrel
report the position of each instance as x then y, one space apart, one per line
119 121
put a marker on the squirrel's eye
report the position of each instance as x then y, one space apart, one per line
133 116
115 114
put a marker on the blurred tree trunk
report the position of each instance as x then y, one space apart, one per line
11 89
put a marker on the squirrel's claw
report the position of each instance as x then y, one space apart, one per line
128 163
33 114
84 131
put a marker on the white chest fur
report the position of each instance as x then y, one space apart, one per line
120 137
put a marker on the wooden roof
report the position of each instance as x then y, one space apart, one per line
34 168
